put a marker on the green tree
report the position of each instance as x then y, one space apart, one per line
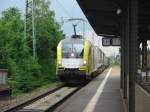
14 53
48 35
25 72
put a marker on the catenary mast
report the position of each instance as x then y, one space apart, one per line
30 20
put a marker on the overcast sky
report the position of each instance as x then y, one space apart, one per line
65 9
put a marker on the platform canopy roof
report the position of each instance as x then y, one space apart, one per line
105 16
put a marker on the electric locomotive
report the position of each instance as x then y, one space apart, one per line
78 59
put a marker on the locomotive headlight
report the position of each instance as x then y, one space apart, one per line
72 54
59 62
84 62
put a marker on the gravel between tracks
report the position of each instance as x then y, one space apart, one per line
48 101
12 102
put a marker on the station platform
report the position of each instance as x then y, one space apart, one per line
102 94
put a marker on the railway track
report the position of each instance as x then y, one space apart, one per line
47 101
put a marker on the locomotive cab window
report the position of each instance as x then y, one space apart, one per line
70 50
78 50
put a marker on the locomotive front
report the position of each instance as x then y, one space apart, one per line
71 65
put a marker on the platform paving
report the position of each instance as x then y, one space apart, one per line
110 100
102 96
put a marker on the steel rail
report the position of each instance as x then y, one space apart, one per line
20 106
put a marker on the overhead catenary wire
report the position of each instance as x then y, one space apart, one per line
65 10
71 17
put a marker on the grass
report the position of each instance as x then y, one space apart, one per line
58 95
47 86
115 65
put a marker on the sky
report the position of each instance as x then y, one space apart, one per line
65 9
